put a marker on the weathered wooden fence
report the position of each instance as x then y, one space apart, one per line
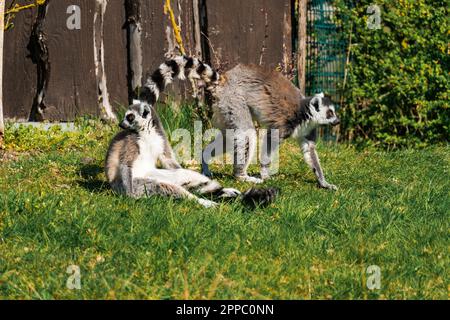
55 69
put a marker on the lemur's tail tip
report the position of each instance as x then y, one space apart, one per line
260 197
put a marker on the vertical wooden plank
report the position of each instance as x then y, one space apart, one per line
134 45
115 53
154 44
197 29
158 41
72 88
100 33
157 34
301 51
288 51
255 32
185 11
19 72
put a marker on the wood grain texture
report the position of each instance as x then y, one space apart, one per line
115 44
72 90
302 52
134 46
19 72
158 40
257 32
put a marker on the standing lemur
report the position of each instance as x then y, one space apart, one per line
131 161
250 93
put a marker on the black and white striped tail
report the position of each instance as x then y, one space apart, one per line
260 197
181 67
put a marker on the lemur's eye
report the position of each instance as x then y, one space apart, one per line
316 105
130 118
330 114
145 114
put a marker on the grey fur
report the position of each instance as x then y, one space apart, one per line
125 155
250 93
124 158
131 158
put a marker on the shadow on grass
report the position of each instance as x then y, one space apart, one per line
91 182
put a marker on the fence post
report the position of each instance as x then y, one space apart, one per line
197 29
2 28
302 51
135 58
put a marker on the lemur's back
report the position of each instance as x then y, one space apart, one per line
248 93
271 97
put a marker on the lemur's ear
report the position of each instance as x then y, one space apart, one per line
320 95
146 111
316 102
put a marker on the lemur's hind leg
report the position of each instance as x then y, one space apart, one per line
146 187
203 185
191 180
245 142
308 145
270 145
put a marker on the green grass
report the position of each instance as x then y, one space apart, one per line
392 210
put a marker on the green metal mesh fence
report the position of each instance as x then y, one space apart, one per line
326 50
326 57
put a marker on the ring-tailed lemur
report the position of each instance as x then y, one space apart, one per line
131 161
247 93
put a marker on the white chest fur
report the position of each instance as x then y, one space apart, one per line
303 130
151 146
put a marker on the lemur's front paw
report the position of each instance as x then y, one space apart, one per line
326 185
207 203
250 179
230 193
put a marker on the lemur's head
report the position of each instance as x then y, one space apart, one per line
138 116
322 110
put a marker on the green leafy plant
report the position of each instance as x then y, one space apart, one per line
396 92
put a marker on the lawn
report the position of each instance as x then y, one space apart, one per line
56 210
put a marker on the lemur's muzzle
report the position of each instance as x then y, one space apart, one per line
336 122
124 125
